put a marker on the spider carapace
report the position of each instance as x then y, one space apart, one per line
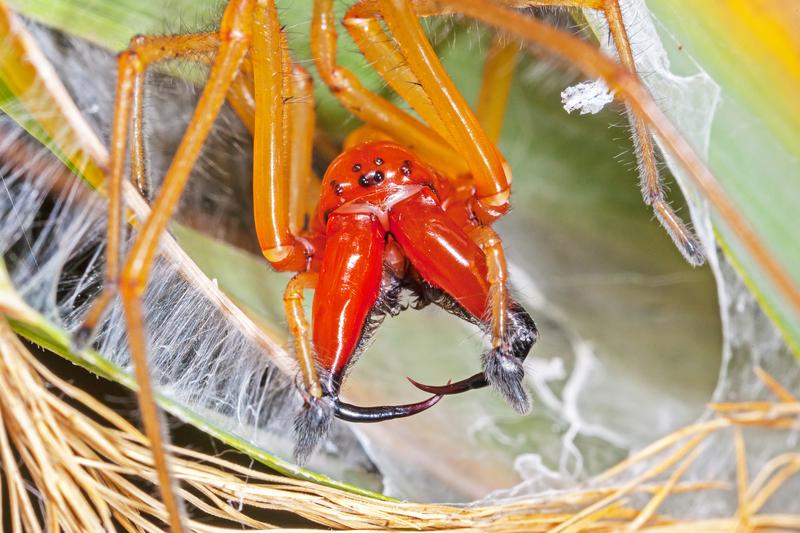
387 222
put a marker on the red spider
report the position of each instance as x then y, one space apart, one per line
408 205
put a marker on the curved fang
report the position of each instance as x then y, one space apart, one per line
355 413
478 381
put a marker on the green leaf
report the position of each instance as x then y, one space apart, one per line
753 148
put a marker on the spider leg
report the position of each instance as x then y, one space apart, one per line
392 66
301 118
132 63
270 195
400 17
241 95
369 107
440 96
641 110
498 72
384 56
133 276
651 184
280 210
276 213
298 120
362 24
139 174
131 280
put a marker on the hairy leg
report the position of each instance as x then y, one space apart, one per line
314 421
132 64
431 96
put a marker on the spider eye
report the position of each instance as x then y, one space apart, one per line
364 180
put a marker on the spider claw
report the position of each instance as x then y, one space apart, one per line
477 381
356 413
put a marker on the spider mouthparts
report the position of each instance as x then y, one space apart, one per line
355 413
477 381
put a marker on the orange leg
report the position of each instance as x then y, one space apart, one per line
498 72
297 119
629 89
301 118
138 164
463 131
269 196
132 64
369 107
392 66
400 18
241 97
137 267
298 325
382 54
271 171
652 188
283 132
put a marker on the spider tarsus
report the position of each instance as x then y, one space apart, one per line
685 240
690 248
693 252
310 427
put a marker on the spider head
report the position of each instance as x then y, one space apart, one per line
371 173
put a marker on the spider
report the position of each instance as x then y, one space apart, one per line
409 204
